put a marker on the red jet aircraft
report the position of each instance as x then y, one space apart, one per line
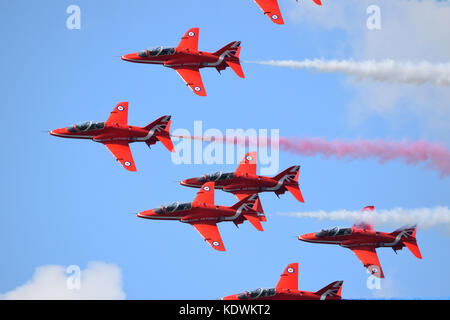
272 10
363 241
287 289
204 215
116 134
244 180
186 59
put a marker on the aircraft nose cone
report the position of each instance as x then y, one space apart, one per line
306 237
146 214
232 297
59 132
130 57
190 182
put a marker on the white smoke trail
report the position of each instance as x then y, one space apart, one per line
385 70
425 218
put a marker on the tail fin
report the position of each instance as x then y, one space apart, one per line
232 49
289 178
160 129
331 291
232 52
250 208
408 238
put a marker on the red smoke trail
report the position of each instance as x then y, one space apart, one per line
436 155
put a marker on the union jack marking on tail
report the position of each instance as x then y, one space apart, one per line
292 173
162 126
333 291
248 205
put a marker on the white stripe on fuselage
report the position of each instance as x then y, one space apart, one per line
71 136
158 217
145 61
321 241
199 186
218 62
396 241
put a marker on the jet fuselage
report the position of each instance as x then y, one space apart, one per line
181 57
238 183
195 212
278 294
108 133
355 238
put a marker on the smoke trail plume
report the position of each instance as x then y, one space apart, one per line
435 155
384 70
425 218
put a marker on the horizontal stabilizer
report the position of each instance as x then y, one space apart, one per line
254 220
164 137
295 191
166 141
236 66
414 248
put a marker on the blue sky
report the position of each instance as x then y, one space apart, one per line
67 202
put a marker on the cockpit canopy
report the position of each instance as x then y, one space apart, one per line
217 176
86 126
336 231
257 293
155 52
176 206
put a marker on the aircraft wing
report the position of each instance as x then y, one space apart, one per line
190 39
271 9
122 153
210 232
119 114
248 164
369 258
206 193
193 79
289 278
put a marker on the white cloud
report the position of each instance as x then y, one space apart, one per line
98 281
